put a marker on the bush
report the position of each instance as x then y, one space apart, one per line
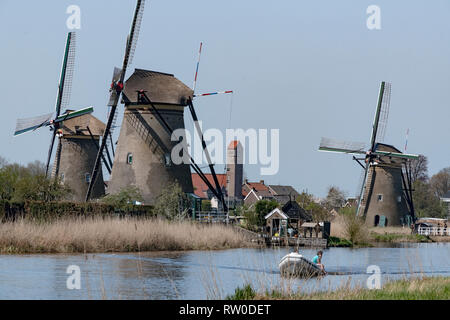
125 199
173 203
246 293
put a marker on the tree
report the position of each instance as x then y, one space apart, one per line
335 199
426 202
19 183
173 203
3 162
125 199
419 169
255 215
440 182
317 211
206 205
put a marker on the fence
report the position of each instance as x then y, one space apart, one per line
211 217
434 231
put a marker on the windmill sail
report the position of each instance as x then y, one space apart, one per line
363 189
64 87
384 113
31 124
334 145
65 82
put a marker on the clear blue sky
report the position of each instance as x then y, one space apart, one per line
309 68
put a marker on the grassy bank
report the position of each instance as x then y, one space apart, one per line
114 235
431 288
349 231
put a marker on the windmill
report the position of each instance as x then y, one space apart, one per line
56 120
385 195
116 89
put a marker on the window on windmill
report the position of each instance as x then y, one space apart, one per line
399 199
379 197
62 177
129 158
167 160
87 177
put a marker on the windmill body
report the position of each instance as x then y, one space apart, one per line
75 155
143 154
384 202
385 197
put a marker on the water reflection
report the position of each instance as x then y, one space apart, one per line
205 274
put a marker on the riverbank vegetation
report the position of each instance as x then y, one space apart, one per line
91 235
426 288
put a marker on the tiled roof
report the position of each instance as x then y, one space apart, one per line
200 187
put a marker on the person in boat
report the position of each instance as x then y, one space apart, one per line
317 260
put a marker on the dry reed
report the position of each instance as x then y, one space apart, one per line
115 235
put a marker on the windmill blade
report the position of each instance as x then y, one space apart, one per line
196 69
363 189
31 124
135 29
396 155
115 79
384 113
212 93
333 145
74 114
50 150
377 117
65 82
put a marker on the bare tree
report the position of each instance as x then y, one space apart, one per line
419 169
440 182
335 199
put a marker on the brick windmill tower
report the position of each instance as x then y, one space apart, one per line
79 139
385 196
235 171
143 155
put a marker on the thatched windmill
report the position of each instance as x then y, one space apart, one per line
74 156
385 197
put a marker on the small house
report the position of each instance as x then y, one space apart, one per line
285 221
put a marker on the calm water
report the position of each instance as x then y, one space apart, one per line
204 274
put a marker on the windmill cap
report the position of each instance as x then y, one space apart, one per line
161 88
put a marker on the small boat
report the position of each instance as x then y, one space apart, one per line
295 265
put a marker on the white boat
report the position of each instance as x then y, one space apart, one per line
295 265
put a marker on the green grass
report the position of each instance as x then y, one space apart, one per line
394 237
339 242
430 288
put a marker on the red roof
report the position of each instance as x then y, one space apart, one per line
258 186
200 187
233 144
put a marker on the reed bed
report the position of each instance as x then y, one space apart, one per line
93 235
422 288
